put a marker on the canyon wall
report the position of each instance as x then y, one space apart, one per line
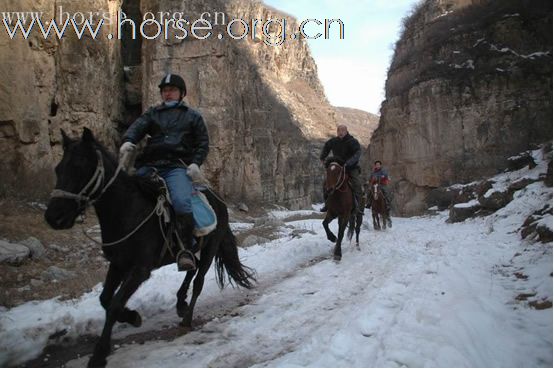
264 106
50 84
469 85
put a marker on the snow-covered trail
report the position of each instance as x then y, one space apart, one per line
424 293
409 298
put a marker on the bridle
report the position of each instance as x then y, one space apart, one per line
340 180
83 198
375 191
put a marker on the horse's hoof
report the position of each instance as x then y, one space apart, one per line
182 309
95 362
137 321
337 257
186 324
332 238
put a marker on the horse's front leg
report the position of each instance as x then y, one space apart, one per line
328 219
375 217
182 306
114 310
343 222
359 220
113 280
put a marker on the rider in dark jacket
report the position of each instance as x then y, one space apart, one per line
176 133
178 144
347 148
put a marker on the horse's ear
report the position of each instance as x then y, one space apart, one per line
88 137
65 139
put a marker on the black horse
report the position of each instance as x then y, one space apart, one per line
87 174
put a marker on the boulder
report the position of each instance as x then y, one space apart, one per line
494 199
483 187
242 207
460 212
13 253
521 161
520 184
58 248
441 197
56 273
35 246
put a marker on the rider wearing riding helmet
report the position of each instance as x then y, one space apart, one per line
347 148
177 146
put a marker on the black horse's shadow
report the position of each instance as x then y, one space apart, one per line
121 205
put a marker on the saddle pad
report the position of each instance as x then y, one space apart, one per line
205 219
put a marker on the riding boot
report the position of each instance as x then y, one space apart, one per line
185 258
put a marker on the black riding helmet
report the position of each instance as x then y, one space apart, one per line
174 80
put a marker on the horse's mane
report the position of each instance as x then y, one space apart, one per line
334 159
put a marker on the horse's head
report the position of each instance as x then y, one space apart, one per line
73 174
335 176
376 191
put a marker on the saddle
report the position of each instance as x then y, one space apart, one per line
205 219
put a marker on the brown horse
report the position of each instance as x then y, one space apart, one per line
378 207
340 204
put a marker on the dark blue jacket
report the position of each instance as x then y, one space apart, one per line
177 133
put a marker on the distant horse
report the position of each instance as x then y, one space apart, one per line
378 207
340 204
133 239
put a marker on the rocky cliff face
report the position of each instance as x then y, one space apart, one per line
51 84
264 106
470 84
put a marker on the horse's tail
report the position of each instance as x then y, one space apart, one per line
227 260
351 225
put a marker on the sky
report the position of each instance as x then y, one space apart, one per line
425 293
353 70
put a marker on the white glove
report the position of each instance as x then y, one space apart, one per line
194 173
126 148
126 154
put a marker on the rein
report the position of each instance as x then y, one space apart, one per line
340 180
95 182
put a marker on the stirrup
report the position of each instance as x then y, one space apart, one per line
186 261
